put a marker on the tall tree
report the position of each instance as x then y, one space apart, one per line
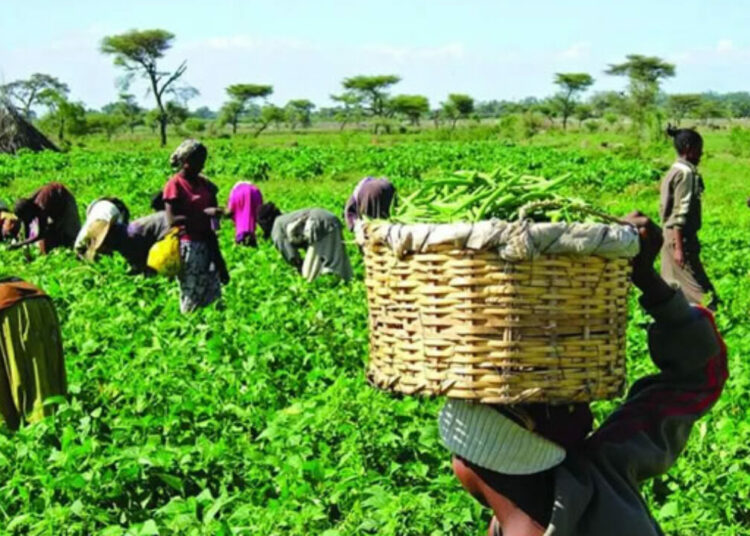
572 85
67 117
27 93
350 109
372 92
645 74
241 95
230 113
458 106
137 52
683 105
299 112
413 107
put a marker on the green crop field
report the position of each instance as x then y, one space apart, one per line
256 418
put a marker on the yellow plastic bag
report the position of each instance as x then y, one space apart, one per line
164 256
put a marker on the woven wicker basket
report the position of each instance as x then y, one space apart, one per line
467 324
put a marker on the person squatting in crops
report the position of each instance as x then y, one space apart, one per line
314 229
680 212
540 469
191 205
100 215
8 223
372 198
243 206
49 216
133 240
32 368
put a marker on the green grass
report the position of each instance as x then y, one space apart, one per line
256 419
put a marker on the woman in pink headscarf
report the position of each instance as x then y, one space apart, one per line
245 200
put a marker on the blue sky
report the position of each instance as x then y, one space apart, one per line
488 48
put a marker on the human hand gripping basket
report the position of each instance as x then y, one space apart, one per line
498 312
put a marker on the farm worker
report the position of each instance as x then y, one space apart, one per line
541 472
133 241
372 198
680 212
314 229
191 205
100 216
31 355
53 211
244 203
9 224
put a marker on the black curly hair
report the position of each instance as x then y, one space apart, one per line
684 138
267 215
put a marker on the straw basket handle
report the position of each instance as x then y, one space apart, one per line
583 209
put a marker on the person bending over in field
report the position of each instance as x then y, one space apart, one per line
31 353
244 203
372 198
191 205
680 212
49 217
9 224
541 471
100 214
314 229
133 241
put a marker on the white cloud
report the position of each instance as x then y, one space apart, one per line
724 45
576 51
450 51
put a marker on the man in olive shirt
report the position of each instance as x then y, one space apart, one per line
680 212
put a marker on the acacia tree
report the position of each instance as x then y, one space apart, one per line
270 113
645 74
458 106
350 109
682 105
229 114
413 107
241 95
137 52
572 85
298 112
27 93
372 93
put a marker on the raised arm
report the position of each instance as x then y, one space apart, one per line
645 435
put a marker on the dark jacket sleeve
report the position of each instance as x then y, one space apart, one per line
644 437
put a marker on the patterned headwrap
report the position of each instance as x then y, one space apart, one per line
183 152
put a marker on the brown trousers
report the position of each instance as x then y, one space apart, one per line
691 278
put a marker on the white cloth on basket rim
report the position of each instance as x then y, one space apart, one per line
514 241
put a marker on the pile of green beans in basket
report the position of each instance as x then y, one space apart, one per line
472 196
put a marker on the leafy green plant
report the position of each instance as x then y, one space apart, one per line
256 418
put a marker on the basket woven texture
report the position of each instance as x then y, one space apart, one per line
467 324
